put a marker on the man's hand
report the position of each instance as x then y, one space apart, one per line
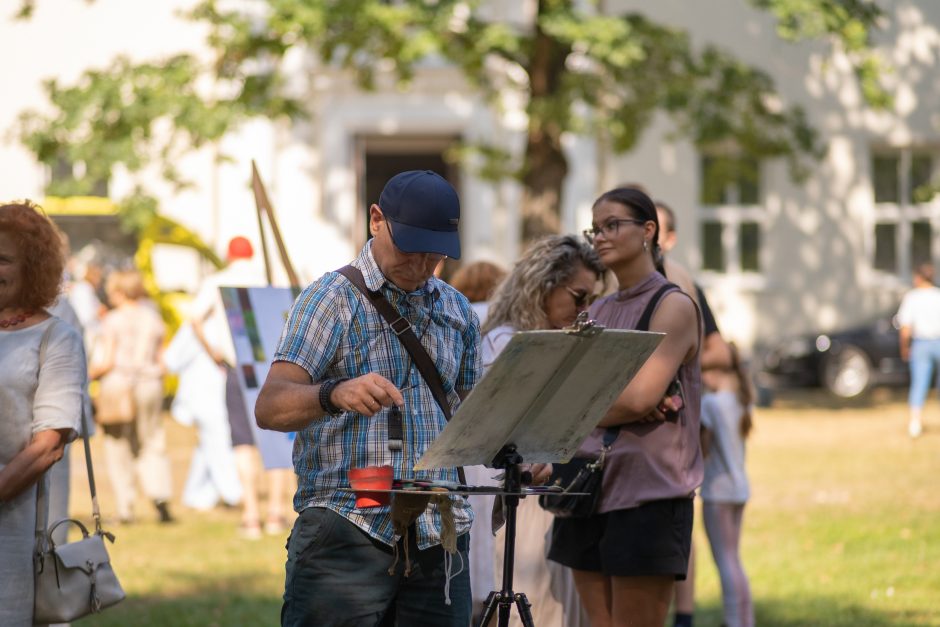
367 394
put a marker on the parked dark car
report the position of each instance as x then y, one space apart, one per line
847 363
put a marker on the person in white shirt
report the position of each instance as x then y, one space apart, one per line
554 281
919 320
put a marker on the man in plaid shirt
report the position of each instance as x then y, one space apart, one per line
338 371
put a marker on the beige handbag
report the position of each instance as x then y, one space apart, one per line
73 579
114 404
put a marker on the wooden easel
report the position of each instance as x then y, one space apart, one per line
263 206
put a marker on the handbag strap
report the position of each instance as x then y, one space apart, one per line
41 489
647 316
406 335
95 510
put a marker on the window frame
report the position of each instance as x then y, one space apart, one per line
904 212
731 216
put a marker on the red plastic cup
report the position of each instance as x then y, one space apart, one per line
363 480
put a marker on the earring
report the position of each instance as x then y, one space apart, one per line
646 245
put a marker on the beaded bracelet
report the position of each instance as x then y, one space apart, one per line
326 390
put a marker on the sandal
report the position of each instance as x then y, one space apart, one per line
250 531
275 526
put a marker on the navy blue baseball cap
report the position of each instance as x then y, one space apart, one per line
424 212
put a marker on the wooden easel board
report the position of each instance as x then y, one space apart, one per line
545 393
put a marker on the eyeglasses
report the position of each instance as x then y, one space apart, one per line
581 299
609 228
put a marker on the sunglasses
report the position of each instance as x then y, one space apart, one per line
581 299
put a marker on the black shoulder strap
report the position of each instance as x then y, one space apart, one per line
644 323
402 329
611 433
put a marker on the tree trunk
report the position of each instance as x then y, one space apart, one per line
545 163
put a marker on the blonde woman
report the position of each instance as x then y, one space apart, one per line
128 355
554 281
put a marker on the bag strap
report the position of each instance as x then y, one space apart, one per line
647 316
611 433
406 335
95 510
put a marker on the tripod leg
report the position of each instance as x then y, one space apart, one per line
525 613
489 607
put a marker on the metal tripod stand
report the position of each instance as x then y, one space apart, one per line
509 459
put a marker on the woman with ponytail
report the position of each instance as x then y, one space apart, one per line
627 556
726 423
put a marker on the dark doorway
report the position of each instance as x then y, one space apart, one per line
381 158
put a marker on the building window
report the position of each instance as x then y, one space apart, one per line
731 216
907 211
713 252
886 253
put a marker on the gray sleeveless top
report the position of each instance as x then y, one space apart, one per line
648 461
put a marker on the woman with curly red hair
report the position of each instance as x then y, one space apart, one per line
42 371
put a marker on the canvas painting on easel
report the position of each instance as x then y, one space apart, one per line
256 316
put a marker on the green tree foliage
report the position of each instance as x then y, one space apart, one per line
134 115
580 72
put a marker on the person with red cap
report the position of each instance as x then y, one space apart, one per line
240 248
214 475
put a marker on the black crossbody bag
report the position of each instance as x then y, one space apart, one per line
584 475
406 335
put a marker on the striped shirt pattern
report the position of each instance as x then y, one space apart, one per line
332 332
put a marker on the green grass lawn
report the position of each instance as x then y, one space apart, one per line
843 529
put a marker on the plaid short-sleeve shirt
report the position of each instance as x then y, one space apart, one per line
333 332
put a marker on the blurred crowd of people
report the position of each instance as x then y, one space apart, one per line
124 355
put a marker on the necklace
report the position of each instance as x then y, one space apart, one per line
15 320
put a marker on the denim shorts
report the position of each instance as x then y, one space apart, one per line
338 575
653 539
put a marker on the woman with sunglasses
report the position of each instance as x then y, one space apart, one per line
549 286
628 555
